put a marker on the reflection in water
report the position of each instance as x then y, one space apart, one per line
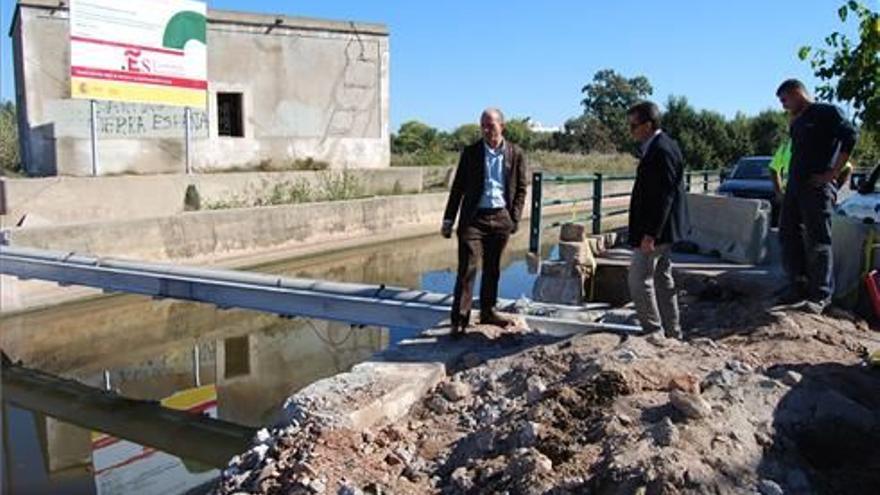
150 349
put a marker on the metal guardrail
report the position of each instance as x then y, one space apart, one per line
595 213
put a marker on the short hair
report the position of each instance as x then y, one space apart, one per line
790 85
494 110
646 111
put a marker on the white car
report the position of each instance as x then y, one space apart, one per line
865 204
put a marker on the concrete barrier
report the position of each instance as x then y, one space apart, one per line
735 228
72 200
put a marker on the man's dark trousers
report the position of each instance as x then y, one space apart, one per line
805 235
484 237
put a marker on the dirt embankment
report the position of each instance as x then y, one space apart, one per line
754 402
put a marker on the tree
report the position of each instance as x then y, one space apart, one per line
414 136
9 152
608 98
463 135
706 138
851 69
767 130
518 131
584 135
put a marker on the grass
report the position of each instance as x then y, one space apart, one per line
571 163
332 186
548 161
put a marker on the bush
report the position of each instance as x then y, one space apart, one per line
339 186
10 161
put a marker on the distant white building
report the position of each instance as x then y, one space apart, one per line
536 126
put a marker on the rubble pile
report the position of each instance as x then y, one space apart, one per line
789 406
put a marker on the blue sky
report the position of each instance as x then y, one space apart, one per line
450 59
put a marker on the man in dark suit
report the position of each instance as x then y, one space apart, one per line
487 195
657 218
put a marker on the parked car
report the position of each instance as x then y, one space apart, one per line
865 204
750 178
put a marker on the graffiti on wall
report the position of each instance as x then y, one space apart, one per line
124 120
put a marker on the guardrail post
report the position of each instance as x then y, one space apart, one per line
535 220
705 182
597 204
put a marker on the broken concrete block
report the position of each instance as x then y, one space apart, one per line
576 253
560 290
573 232
556 269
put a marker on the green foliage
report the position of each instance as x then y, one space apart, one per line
850 69
462 136
415 136
10 161
337 186
867 152
707 139
425 159
767 130
608 98
579 163
584 134
517 131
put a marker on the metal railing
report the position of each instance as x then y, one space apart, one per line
594 214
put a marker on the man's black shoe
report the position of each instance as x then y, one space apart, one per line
791 295
493 318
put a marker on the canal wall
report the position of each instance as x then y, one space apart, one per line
75 200
243 237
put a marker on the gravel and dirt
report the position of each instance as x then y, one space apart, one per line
753 401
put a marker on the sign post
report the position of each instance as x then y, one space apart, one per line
93 134
187 135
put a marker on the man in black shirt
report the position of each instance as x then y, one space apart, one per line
817 129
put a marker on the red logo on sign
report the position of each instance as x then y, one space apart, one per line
132 58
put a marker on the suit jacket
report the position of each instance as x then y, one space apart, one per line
467 187
658 206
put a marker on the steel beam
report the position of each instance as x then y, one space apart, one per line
352 303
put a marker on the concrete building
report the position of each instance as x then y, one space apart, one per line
280 89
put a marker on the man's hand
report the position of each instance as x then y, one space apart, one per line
446 229
647 245
824 178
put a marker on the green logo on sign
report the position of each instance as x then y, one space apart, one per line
184 26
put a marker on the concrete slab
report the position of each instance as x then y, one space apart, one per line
739 235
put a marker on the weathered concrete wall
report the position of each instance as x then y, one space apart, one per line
310 89
66 200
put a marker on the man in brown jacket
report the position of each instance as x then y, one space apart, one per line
487 194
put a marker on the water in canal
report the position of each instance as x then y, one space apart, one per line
231 364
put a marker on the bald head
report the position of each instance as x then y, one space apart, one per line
492 112
492 126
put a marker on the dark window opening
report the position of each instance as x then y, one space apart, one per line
229 115
238 357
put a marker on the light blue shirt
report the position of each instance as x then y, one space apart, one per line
493 183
